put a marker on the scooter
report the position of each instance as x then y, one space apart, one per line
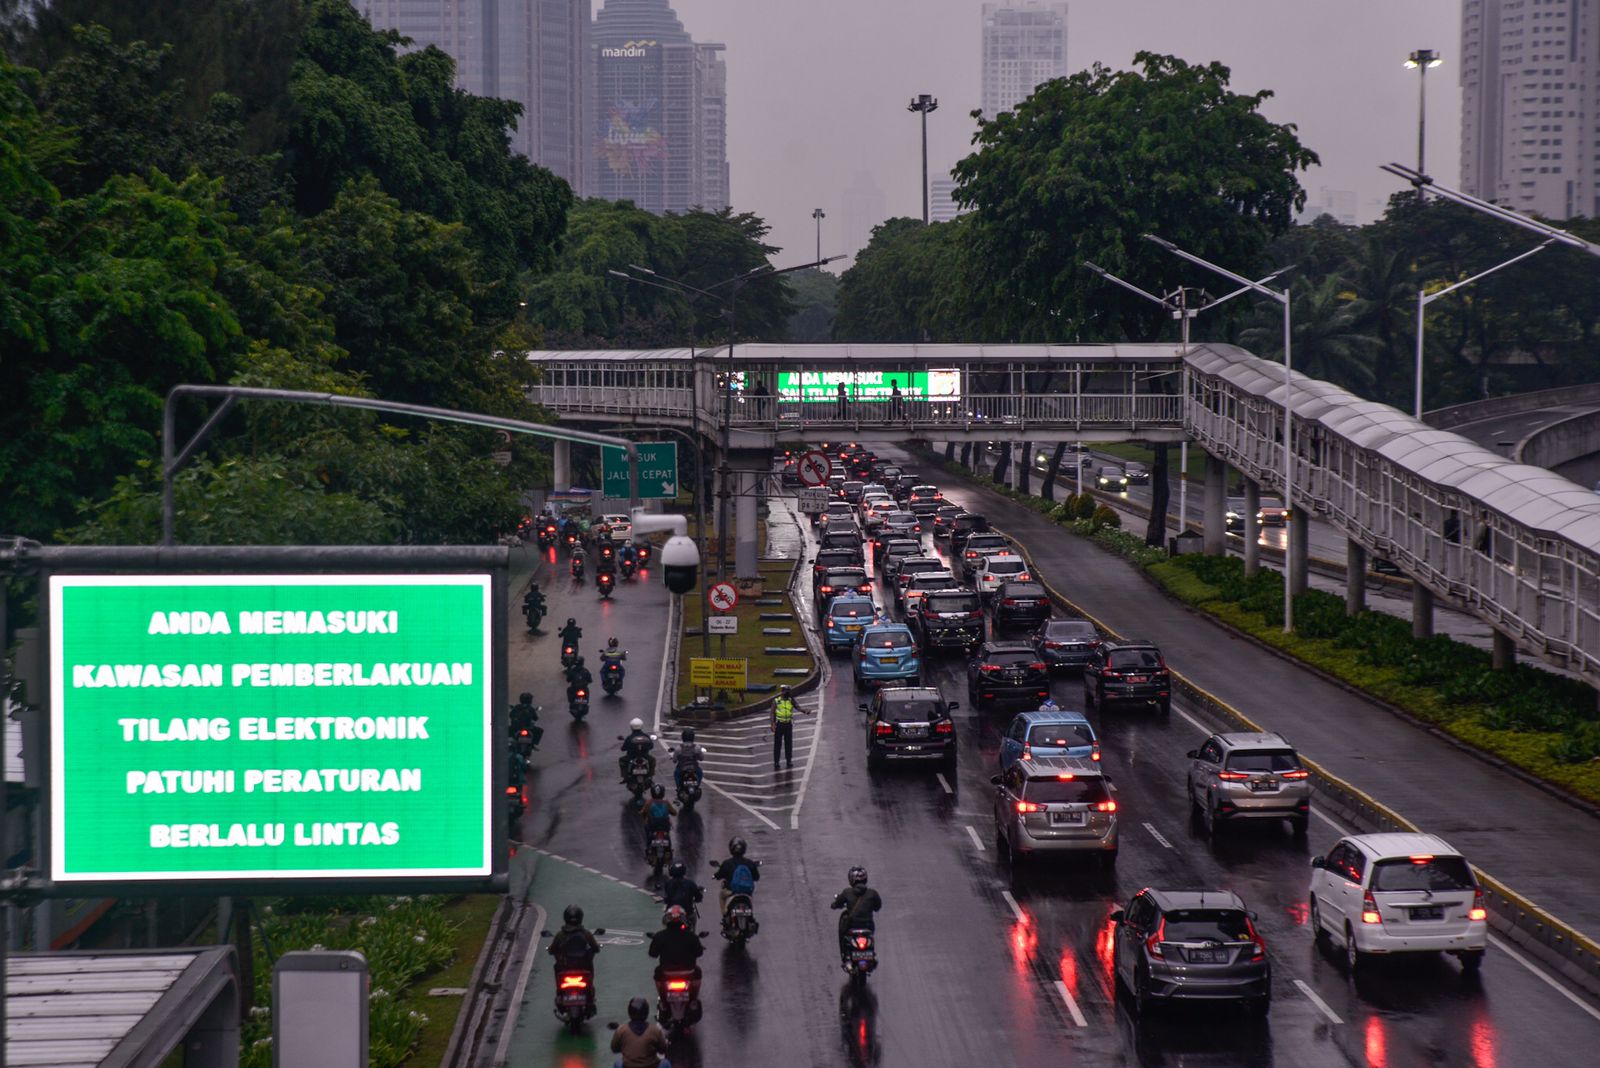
524 740
644 550
689 786
575 1000
547 535
739 919
516 805
576 567
658 851
627 566
611 674
533 611
860 955
579 704
569 654
637 777
605 582
678 1002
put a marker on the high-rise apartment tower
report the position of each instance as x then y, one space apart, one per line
1024 44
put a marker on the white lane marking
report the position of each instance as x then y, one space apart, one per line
1201 727
1158 836
740 803
1322 1006
1329 820
502 1048
1544 975
943 782
1016 909
976 841
1072 1004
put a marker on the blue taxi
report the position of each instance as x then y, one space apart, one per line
887 653
846 616
1048 733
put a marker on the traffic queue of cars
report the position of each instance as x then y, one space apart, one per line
1370 895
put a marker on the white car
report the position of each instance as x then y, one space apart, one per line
1398 893
1001 567
621 526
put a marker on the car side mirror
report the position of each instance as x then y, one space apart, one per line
1118 916
994 780
1319 862
1193 754
953 705
599 930
864 708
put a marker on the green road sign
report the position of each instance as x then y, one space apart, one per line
658 470
270 727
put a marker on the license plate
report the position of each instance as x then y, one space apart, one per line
912 748
1065 818
862 955
913 732
1264 784
888 660
1432 912
1207 956
852 627
1138 678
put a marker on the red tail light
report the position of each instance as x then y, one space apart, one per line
1029 806
1260 951
1106 806
825 589
989 668
862 941
1010 601
1369 909
1152 944
1232 776
1055 645
883 730
1298 773
677 984
512 791
1037 665
1027 752
1094 754
944 727
574 982
583 693
1094 643
1477 912
523 732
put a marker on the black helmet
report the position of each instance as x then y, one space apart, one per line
658 791
858 876
688 734
573 917
638 1009
525 698
612 644
736 846
571 622
674 917
578 662
677 870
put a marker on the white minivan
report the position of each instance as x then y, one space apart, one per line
1398 893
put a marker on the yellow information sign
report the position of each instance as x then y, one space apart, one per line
719 674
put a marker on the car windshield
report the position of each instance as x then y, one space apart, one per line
851 610
1206 925
1004 657
1422 873
1065 791
912 710
1060 735
1236 505
1264 760
1069 628
1110 472
953 602
1135 660
887 639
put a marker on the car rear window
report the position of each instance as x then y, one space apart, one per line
840 508
1060 735
1264 760
840 539
1065 791
847 576
1134 659
1206 925
914 710
980 541
921 567
832 557
1434 873
1005 567
1069 628
887 639
1023 590
1010 656
924 583
851 610
953 602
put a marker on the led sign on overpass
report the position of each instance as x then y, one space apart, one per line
270 726
869 385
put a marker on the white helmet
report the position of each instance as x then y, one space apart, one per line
636 724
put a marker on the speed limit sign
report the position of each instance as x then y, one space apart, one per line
723 597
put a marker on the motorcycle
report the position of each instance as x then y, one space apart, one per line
605 582
571 539
516 804
689 787
644 550
524 740
658 851
576 568
678 1002
611 675
860 955
579 704
637 777
575 1001
627 566
739 919
569 654
533 611
547 535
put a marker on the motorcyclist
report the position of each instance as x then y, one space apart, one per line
578 678
628 556
657 812
680 890
612 654
688 756
859 901
534 599
573 947
525 716
676 947
605 554
576 567
571 634
640 1043
637 743
727 869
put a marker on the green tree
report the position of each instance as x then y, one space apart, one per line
1324 326
816 295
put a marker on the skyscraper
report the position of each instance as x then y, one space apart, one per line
660 111
533 52
1024 44
942 205
1530 113
863 207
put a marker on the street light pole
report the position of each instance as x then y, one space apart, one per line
1421 60
817 214
924 104
1282 297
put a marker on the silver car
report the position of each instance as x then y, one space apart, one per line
1055 805
1245 776
1201 945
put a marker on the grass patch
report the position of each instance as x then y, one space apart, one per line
1185 585
1127 450
749 643
470 916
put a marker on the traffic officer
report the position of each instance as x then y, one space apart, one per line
783 728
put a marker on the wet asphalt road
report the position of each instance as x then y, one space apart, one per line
979 965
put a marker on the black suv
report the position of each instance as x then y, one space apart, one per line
910 723
1020 604
964 525
1007 671
837 580
831 558
1129 670
948 619
1066 643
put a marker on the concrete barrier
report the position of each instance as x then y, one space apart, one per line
1568 439
1473 411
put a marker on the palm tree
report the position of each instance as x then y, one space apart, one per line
1328 343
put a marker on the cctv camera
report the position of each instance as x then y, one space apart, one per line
680 561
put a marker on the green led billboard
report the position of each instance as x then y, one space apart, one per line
270 727
869 385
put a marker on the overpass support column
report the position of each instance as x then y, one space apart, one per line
745 550
1504 656
1421 610
1216 497
1355 577
1299 538
1252 526
561 464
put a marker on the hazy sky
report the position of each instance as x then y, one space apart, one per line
817 89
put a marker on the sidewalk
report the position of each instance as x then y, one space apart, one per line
1512 830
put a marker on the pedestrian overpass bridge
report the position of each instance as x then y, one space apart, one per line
1517 545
